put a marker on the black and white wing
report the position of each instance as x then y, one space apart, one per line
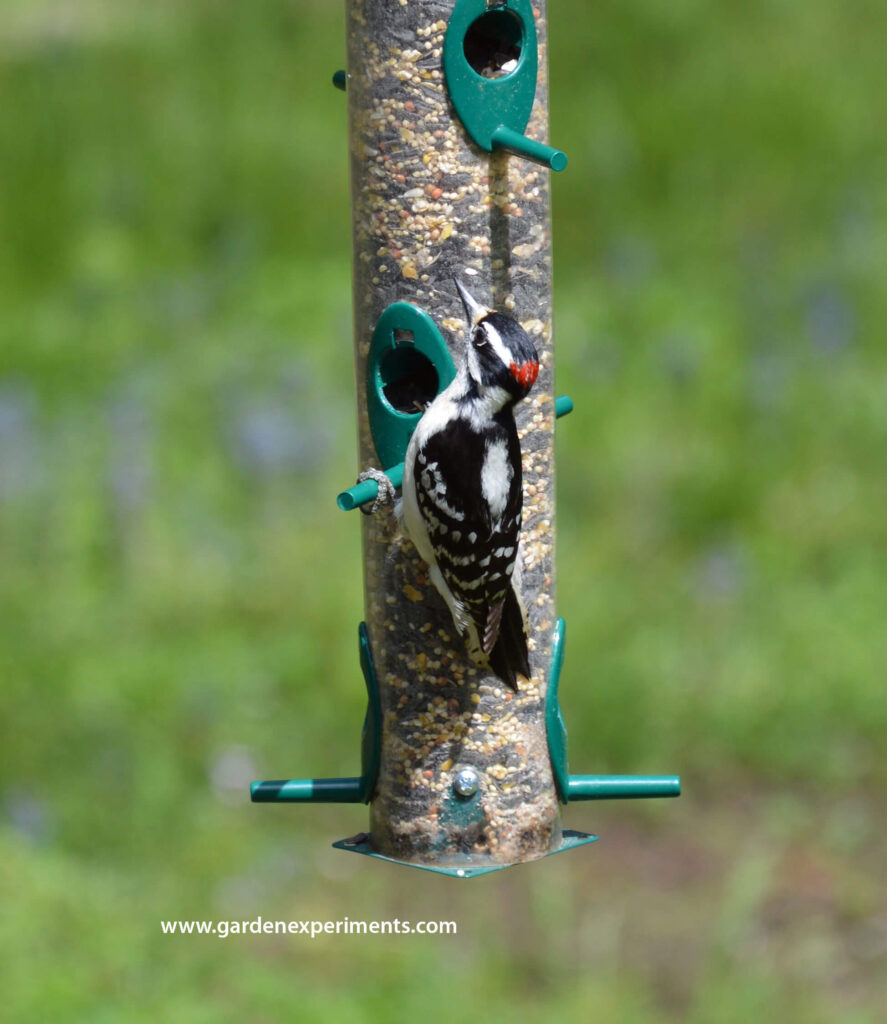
472 514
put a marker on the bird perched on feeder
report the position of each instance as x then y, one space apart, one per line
463 494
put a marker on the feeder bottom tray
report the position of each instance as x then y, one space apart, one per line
468 868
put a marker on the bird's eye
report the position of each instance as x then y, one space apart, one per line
480 338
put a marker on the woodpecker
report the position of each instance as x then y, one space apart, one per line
463 490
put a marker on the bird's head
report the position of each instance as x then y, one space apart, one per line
500 354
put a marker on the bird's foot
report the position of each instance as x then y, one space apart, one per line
386 496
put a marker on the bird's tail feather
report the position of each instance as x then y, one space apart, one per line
510 656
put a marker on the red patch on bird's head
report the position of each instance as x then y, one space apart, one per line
525 373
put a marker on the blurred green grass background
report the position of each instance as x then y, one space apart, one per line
179 599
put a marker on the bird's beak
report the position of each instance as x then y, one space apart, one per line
474 311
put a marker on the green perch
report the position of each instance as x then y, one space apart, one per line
515 142
621 787
356 790
351 790
306 791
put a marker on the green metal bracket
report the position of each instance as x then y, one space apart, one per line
367 490
371 736
555 726
409 364
346 790
466 868
495 110
590 787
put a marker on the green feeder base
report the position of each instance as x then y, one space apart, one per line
360 843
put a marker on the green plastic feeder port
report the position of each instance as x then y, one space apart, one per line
408 366
490 64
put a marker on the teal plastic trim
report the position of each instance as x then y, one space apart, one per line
368 490
340 80
391 428
589 787
495 111
338 791
468 868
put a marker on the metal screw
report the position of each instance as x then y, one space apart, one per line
466 783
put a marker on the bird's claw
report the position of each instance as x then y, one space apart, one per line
386 495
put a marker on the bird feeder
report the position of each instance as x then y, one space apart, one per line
450 167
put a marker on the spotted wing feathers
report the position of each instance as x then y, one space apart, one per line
472 514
